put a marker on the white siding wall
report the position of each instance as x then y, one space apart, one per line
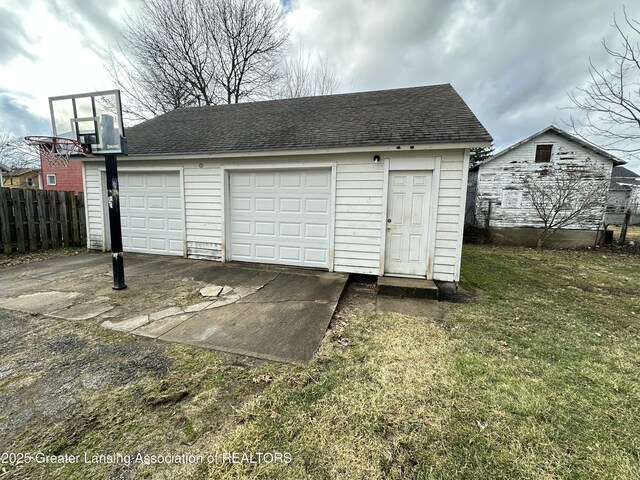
359 212
359 206
203 207
506 172
451 199
93 206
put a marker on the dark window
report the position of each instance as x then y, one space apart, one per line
543 153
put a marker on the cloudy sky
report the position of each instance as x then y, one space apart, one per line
513 61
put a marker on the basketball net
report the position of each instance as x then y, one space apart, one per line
54 159
55 151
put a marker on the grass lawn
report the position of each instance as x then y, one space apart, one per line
539 378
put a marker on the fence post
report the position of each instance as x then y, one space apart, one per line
64 218
43 217
5 228
53 218
625 226
75 234
17 196
83 219
30 210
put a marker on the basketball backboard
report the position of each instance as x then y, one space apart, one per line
93 118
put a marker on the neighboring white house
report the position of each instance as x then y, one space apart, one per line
624 194
497 199
371 183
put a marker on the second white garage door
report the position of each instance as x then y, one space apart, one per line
280 217
151 212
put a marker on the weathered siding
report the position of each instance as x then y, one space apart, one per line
472 189
500 182
203 210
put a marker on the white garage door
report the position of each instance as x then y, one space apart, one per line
151 212
281 217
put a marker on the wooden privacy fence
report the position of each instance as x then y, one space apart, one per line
40 219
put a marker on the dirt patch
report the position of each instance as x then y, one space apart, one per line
47 366
37 256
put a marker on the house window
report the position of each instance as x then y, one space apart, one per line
30 182
543 153
51 179
511 198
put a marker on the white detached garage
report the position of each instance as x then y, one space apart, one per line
371 183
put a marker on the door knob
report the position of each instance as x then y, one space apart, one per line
388 220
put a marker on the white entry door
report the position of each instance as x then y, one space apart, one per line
281 217
407 222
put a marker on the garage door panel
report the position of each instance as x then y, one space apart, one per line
317 180
270 213
266 180
316 231
315 255
290 230
291 179
155 203
265 205
174 203
290 205
152 215
290 254
265 228
241 180
316 205
265 252
132 201
241 204
240 227
174 225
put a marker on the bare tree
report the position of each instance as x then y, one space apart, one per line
248 38
164 60
567 195
303 78
177 53
16 153
610 103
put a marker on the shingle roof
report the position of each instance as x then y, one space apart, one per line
622 179
406 116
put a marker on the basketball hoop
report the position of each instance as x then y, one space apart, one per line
57 150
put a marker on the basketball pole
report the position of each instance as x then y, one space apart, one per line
115 227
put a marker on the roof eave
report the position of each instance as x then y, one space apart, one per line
317 151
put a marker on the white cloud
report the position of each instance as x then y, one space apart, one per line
512 61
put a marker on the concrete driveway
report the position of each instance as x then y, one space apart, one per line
269 312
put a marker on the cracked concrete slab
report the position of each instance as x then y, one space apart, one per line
211 290
265 311
162 326
168 312
85 310
40 302
198 306
288 332
222 301
300 286
126 325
